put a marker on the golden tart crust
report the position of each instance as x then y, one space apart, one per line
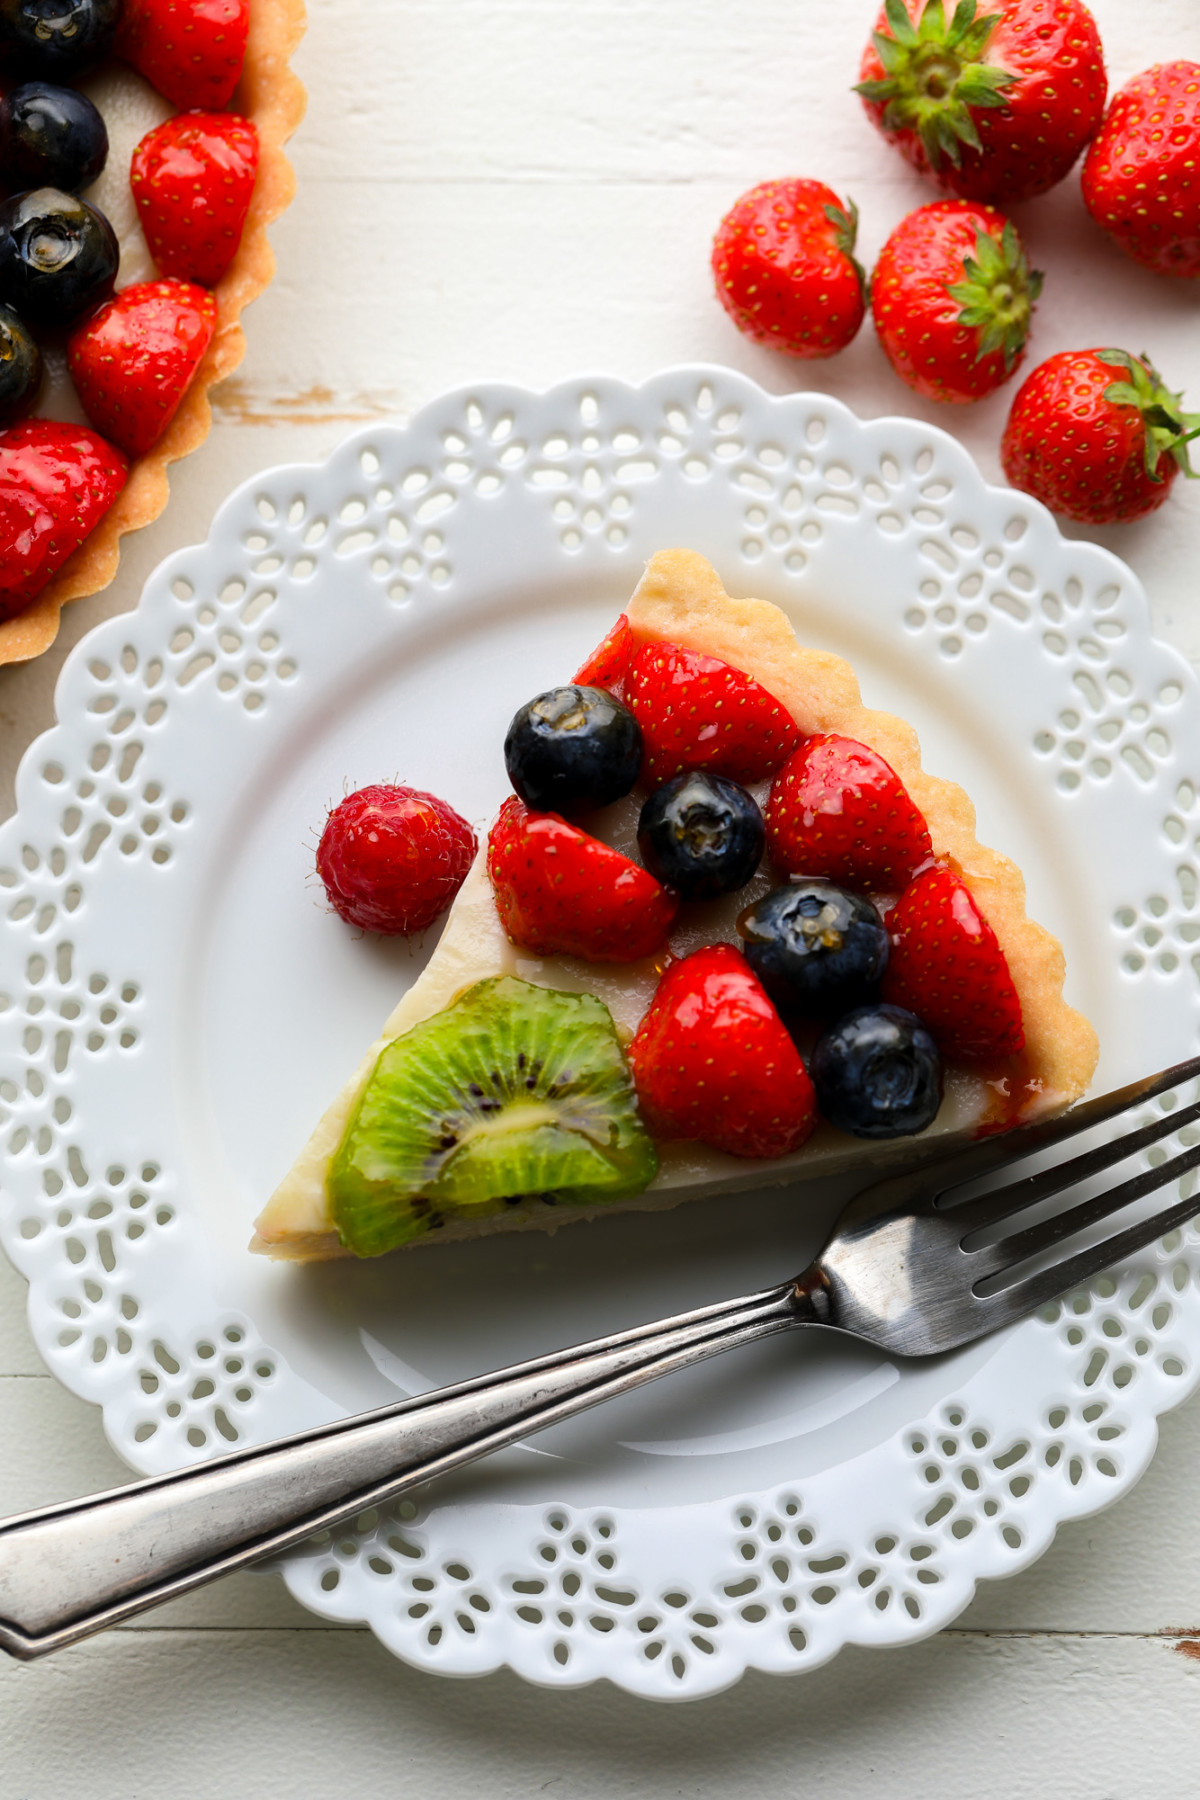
680 599
273 97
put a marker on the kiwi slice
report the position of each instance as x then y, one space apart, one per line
513 1090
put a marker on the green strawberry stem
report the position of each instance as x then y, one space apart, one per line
996 294
845 231
1168 428
935 74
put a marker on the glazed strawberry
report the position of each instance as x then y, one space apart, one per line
190 50
712 1060
1095 435
995 103
952 296
837 809
947 967
560 892
696 712
1141 177
607 665
56 484
783 259
393 858
132 360
192 178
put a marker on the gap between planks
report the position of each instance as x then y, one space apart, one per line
1186 1642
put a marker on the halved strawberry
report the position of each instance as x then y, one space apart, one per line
838 809
560 892
56 484
133 359
607 665
697 712
192 178
712 1060
947 966
190 50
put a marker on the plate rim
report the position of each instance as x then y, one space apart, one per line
305 1573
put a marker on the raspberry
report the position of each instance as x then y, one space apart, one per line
393 858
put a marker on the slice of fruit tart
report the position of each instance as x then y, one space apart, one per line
726 932
141 161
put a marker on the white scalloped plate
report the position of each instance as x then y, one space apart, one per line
180 1006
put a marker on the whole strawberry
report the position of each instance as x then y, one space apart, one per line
1141 178
561 892
995 104
839 810
1094 435
952 296
783 259
947 966
713 1060
133 360
697 712
392 858
56 484
190 50
192 178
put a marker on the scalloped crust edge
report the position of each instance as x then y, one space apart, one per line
680 599
272 95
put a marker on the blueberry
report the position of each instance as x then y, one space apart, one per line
58 256
701 835
817 949
50 137
877 1073
20 368
573 748
56 37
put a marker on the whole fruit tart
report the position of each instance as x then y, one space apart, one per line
725 932
141 162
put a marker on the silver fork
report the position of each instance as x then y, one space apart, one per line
917 1264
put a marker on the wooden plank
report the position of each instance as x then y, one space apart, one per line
277 1714
532 91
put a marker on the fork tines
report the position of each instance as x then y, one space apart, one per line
993 1257
1027 1191
1008 1147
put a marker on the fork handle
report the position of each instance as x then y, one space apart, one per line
67 1571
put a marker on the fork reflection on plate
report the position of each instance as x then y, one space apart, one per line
918 1263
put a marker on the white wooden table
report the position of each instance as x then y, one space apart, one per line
524 189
